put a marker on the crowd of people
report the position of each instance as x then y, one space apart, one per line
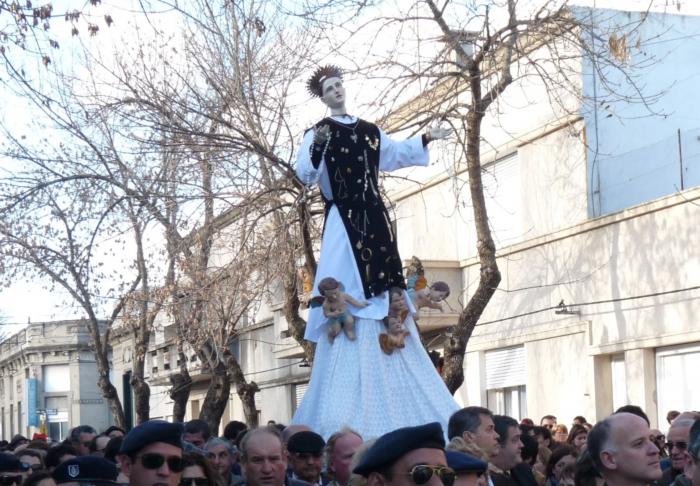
478 448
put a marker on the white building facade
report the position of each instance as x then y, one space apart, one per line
591 206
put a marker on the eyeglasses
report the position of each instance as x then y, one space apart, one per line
10 480
194 482
305 456
654 438
422 473
680 445
152 460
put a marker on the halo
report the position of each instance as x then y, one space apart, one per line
315 83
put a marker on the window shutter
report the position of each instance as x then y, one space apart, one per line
505 367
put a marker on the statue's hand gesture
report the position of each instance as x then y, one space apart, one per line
438 133
322 134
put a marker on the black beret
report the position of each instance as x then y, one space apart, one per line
390 447
464 463
150 432
86 468
10 463
306 441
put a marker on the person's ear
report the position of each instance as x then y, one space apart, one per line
608 459
376 479
125 464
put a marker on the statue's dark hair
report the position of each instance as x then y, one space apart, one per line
315 82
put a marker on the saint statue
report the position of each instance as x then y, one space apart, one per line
343 154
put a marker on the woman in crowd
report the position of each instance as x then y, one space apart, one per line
560 433
199 472
560 457
577 437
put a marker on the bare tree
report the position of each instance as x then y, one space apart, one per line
470 53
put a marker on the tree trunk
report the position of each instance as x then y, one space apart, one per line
181 384
142 392
490 276
216 398
245 391
109 392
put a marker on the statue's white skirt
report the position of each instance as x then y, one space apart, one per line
355 384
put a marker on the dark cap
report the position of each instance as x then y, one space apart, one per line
150 432
306 441
91 469
464 463
390 447
16 440
9 463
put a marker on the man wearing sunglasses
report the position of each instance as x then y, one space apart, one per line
305 456
677 448
408 456
151 454
12 471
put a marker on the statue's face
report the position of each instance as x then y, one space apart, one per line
437 295
333 93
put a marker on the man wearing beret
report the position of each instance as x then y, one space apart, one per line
151 454
408 456
467 468
12 472
305 454
97 471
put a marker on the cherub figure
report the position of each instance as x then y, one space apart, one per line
395 337
431 297
335 308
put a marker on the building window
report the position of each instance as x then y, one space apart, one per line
619 381
56 378
511 401
505 381
676 367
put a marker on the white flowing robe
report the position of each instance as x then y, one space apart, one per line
354 383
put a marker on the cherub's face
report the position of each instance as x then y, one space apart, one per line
437 295
397 303
332 294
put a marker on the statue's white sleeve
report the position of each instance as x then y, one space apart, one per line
406 153
305 168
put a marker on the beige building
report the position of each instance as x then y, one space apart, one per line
48 381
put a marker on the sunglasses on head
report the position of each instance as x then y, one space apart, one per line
422 473
10 480
680 445
194 482
152 460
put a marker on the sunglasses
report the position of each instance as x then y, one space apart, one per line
305 456
10 480
422 473
152 460
194 482
680 445
657 437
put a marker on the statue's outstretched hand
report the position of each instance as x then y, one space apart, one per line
438 133
322 134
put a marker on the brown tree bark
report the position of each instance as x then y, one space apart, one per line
216 398
246 392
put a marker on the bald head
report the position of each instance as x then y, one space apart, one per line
622 450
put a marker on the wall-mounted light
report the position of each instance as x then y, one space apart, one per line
563 309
